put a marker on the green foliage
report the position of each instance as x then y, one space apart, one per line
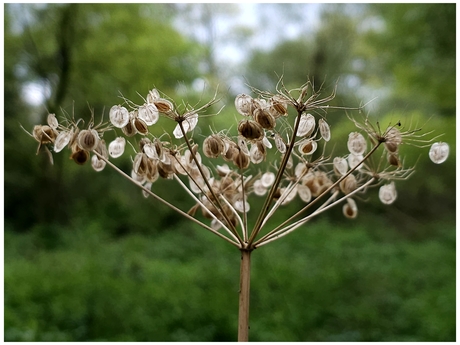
323 283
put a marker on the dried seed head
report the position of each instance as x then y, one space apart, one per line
148 113
439 152
250 130
264 119
307 147
88 139
117 147
340 166
387 193
141 163
97 164
153 96
350 209
324 129
102 149
119 116
348 184
306 125
356 143
163 106
231 149
244 104
300 170
189 123
213 146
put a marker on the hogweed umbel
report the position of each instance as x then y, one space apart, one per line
225 174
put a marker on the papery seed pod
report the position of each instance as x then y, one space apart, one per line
163 106
354 160
393 159
243 145
44 134
153 96
307 147
250 130
387 193
140 126
102 149
180 165
140 179
348 184
62 139
166 170
304 193
129 130
140 163
190 122
52 121
256 155
267 179
279 105
215 225
324 129
240 204
290 162
439 152
266 142
279 143
119 116
148 113
148 185
350 209
300 170
340 166
306 125
213 146
152 173
356 143
244 104
288 195
79 156
223 170
264 119
196 184
258 188
117 147
231 150
97 164
88 139
393 139
241 160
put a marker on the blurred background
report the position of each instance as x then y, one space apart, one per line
87 258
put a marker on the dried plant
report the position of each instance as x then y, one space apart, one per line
288 124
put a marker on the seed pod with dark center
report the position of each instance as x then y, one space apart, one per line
393 159
140 163
393 139
88 139
307 147
213 146
152 173
231 150
129 130
279 105
140 126
264 118
350 210
324 129
348 184
241 160
250 130
163 106
79 156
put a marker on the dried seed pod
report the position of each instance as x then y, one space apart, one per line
287 195
141 163
231 150
213 146
119 116
393 139
241 160
117 147
350 209
250 130
140 126
324 129
340 166
62 139
387 193
88 139
279 143
244 104
52 121
279 105
258 188
163 106
148 185
264 119
102 149
266 142
153 96
223 170
306 125
166 170
241 204
300 169
44 134
97 164
243 145
307 147
129 130
304 193
79 156
267 179
354 160
348 184
439 152
393 159
148 113
356 143
137 178
256 155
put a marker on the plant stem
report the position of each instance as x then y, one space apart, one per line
243 314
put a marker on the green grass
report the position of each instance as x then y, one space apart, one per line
321 283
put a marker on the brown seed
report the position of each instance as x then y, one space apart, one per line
250 130
264 119
79 156
241 160
141 126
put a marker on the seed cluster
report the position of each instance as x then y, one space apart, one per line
290 127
